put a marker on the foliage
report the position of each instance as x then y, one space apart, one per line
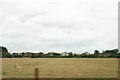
4 52
105 54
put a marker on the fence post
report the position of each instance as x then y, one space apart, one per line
36 73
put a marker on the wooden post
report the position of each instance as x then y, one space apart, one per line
36 73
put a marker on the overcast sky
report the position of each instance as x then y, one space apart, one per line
59 25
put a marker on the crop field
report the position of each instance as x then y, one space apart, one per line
60 67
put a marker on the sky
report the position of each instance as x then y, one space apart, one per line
59 25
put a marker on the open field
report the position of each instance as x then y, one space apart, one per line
61 67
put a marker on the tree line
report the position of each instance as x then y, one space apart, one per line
4 53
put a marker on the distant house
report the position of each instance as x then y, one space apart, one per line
85 54
40 54
49 54
64 54
15 55
104 54
26 54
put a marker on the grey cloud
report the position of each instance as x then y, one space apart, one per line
58 25
84 43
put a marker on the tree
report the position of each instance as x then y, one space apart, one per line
96 53
115 51
70 55
4 52
85 55
3 49
16 55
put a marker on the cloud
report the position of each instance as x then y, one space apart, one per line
58 25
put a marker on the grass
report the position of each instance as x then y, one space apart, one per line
61 67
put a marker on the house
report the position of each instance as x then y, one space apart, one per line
26 54
104 54
85 54
64 54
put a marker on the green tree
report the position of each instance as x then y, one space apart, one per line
96 53
4 52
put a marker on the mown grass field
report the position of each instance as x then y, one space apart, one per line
61 67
